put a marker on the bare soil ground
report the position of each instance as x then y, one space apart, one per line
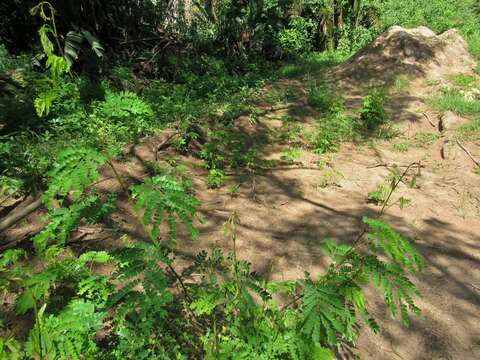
286 212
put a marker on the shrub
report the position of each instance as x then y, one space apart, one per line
332 129
216 178
324 100
373 113
296 38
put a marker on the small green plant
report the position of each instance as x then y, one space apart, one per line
373 114
469 131
324 100
233 190
401 84
380 195
383 194
421 139
332 129
216 178
403 146
450 100
291 155
464 81
290 132
425 138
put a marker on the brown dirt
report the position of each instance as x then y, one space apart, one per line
286 212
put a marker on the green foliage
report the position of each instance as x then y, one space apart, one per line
75 169
63 220
141 316
464 81
68 335
470 131
332 129
216 178
296 38
58 66
324 100
230 309
291 155
10 349
164 200
380 195
120 118
73 45
451 100
334 126
373 114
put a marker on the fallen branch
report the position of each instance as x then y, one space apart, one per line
416 165
4 245
468 153
429 121
16 216
164 144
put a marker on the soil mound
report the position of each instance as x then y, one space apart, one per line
416 52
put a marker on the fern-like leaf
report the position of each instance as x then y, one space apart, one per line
75 169
163 199
383 236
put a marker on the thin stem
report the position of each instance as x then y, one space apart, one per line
39 335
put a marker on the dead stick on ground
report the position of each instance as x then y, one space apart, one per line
468 153
428 119
20 214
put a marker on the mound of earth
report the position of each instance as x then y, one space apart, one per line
417 52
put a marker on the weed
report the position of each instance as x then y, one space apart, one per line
380 195
451 100
431 82
402 146
401 84
215 179
324 100
373 114
464 81
332 129
420 139
233 190
425 138
470 131
291 155
289 132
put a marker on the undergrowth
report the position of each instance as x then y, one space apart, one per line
148 308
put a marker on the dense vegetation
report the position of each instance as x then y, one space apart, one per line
79 80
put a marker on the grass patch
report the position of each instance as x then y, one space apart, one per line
324 100
401 84
291 155
451 100
464 81
425 138
421 139
403 146
311 63
470 131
